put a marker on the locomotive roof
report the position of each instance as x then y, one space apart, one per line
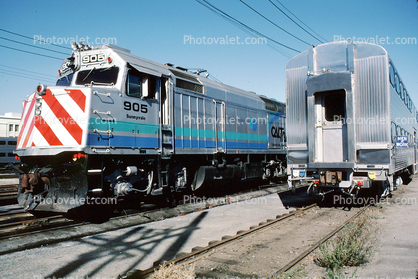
213 89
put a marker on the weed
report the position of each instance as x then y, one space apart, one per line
352 246
172 271
339 274
296 273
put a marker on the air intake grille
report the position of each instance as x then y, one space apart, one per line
189 86
188 82
185 76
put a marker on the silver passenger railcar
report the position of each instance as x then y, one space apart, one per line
7 146
350 121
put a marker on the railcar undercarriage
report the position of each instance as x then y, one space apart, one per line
74 180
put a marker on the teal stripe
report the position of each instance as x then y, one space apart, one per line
242 136
123 126
191 132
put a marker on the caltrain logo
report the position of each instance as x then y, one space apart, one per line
276 131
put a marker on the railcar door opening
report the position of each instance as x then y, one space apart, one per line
220 126
330 127
165 118
415 151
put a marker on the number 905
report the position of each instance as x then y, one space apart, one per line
135 107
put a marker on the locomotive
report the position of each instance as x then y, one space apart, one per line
351 123
123 127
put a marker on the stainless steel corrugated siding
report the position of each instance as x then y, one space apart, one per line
372 100
403 118
296 118
403 158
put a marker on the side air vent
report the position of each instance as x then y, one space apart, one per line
198 88
185 76
188 82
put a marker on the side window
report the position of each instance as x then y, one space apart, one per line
391 75
397 84
406 99
141 85
133 85
393 132
401 91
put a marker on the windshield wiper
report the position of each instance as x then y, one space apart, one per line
107 69
89 74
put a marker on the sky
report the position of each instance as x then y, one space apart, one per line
187 34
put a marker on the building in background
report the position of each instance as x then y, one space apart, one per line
9 124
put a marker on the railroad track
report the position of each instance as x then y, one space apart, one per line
8 194
16 223
301 256
7 174
204 253
19 224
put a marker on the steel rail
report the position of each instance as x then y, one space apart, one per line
240 234
316 245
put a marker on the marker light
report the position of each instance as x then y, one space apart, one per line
41 89
79 155
109 59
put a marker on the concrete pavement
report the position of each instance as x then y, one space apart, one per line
397 253
109 254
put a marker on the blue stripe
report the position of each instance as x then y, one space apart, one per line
126 141
246 145
192 132
186 143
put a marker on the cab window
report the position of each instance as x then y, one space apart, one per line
65 81
100 76
133 85
141 85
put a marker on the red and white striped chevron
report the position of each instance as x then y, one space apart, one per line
60 123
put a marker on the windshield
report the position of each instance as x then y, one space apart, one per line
98 76
65 81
